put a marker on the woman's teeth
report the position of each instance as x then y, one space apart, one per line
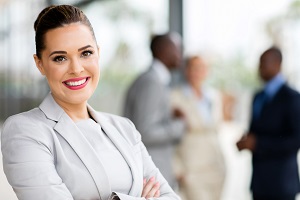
76 83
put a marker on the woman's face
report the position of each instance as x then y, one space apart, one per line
196 71
70 63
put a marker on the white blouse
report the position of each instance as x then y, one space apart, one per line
116 167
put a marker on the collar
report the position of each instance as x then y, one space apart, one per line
51 109
188 90
272 86
111 126
162 72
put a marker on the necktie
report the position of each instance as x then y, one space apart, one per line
258 104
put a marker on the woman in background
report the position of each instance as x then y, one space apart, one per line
199 160
64 149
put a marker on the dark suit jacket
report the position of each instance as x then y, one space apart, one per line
275 168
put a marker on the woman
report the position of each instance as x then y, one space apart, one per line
64 149
200 164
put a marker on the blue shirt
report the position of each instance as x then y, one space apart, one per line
266 95
204 105
272 87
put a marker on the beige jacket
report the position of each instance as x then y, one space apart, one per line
199 159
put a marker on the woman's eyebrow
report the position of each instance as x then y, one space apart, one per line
87 46
57 52
64 52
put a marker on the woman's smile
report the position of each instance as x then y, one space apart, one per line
76 83
71 65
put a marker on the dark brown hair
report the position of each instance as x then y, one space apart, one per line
57 16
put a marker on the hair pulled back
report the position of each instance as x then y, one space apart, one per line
56 16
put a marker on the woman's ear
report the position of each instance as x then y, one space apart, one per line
39 64
98 48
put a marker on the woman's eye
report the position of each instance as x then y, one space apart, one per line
59 59
86 53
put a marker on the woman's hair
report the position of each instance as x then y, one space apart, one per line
190 59
57 16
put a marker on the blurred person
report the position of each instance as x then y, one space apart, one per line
148 105
274 133
199 159
64 149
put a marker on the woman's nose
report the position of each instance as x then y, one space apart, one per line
75 67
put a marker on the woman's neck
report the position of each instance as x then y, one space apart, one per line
75 111
196 90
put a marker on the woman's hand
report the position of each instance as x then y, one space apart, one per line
151 188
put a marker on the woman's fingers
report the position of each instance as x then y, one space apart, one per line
154 190
157 193
151 188
148 186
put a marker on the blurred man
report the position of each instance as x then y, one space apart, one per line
274 134
148 105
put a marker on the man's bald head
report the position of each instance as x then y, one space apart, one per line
166 48
270 63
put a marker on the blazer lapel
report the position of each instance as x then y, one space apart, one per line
124 148
69 131
268 106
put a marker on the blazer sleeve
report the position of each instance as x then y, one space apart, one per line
150 117
28 161
290 140
149 170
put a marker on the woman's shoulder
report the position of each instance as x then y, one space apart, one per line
31 116
28 123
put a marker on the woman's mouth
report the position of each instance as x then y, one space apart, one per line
76 83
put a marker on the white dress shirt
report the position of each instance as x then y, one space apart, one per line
162 71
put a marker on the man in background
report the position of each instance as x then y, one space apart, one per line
274 134
148 105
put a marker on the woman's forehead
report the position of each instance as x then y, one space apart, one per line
69 36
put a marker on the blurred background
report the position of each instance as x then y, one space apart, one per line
230 34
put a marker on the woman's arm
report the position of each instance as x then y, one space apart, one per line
28 161
149 171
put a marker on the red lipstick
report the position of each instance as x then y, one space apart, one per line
76 83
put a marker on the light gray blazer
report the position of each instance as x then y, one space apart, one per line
45 156
148 106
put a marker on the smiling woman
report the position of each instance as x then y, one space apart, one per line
64 149
70 66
